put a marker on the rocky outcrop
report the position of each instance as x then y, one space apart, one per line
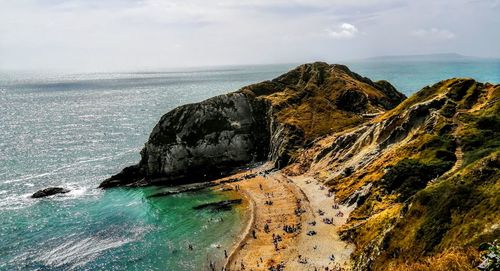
200 141
49 192
271 120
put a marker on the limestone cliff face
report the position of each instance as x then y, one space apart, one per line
271 120
198 141
228 130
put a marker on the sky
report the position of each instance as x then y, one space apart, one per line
108 35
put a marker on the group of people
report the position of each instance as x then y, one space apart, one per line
302 260
299 211
276 239
278 267
328 221
291 228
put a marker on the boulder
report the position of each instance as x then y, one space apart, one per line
49 192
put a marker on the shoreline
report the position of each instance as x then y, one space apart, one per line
245 233
308 243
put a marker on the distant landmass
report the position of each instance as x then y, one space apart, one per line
424 57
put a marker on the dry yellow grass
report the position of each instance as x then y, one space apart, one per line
450 260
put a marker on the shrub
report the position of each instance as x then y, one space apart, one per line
409 176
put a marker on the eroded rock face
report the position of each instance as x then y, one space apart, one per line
270 120
225 130
198 141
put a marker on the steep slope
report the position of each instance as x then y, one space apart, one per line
265 121
424 178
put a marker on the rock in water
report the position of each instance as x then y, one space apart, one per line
49 192
265 121
219 206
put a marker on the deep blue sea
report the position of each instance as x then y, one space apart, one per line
75 130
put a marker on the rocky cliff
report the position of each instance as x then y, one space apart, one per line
424 178
265 121
422 173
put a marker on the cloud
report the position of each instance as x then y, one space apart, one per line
137 34
488 3
434 33
344 31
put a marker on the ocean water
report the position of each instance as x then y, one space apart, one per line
75 130
411 76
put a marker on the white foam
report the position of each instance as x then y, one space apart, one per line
78 253
77 192
14 202
215 245
18 201
64 167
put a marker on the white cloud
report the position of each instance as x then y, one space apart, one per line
434 33
133 34
344 31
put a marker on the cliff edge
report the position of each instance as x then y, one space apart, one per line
270 120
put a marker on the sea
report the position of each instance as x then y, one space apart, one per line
76 129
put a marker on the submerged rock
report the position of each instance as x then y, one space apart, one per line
183 189
49 192
219 206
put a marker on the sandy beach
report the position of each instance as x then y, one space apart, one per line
292 225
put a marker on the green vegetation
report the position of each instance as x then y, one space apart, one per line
409 176
481 134
434 194
460 211
490 256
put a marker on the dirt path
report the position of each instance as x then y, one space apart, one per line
459 154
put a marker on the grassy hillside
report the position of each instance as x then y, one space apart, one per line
424 176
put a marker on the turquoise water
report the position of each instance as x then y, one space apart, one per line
74 130
409 77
